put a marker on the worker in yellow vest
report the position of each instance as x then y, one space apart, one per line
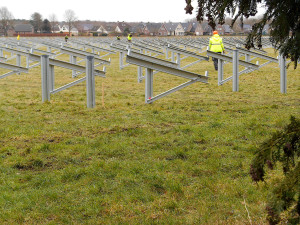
216 45
18 38
129 37
66 38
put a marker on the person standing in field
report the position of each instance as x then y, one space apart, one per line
66 38
129 37
216 45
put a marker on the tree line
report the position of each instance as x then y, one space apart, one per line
40 24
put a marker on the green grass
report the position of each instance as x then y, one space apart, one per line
182 160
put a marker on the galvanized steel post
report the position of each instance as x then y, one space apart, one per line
235 70
90 82
247 59
148 84
178 59
220 71
74 61
45 78
167 52
121 59
140 71
172 57
18 61
51 79
283 77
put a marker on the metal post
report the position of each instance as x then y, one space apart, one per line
18 61
220 71
90 82
74 61
27 59
51 80
148 84
121 60
235 70
167 53
178 59
140 71
247 59
172 57
45 78
283 77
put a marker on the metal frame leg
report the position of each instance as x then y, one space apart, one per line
148 84
283 74
45 70
235 70
90 82
220 71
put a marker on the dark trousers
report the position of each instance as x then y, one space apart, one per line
215 60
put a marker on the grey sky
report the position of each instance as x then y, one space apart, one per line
102 10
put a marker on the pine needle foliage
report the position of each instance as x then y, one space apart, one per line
283 150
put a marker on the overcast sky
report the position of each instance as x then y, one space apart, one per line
102 10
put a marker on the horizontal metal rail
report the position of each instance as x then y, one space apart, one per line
67 65
83 54
230 59
147 48
188 53
13 67
153 59
269 58
165 69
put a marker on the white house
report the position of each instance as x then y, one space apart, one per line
65 29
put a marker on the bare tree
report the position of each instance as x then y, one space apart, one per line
53 21
6 19
70 19
36 21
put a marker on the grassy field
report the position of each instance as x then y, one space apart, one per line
182 160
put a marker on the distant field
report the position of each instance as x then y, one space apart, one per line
182 160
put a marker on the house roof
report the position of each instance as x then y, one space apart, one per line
56 28
171 26
247 26
122 26
87 27
227 28
153 27
137 28
185 26
194 26
95 28
23 28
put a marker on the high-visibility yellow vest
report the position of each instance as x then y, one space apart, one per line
216 44
129 38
